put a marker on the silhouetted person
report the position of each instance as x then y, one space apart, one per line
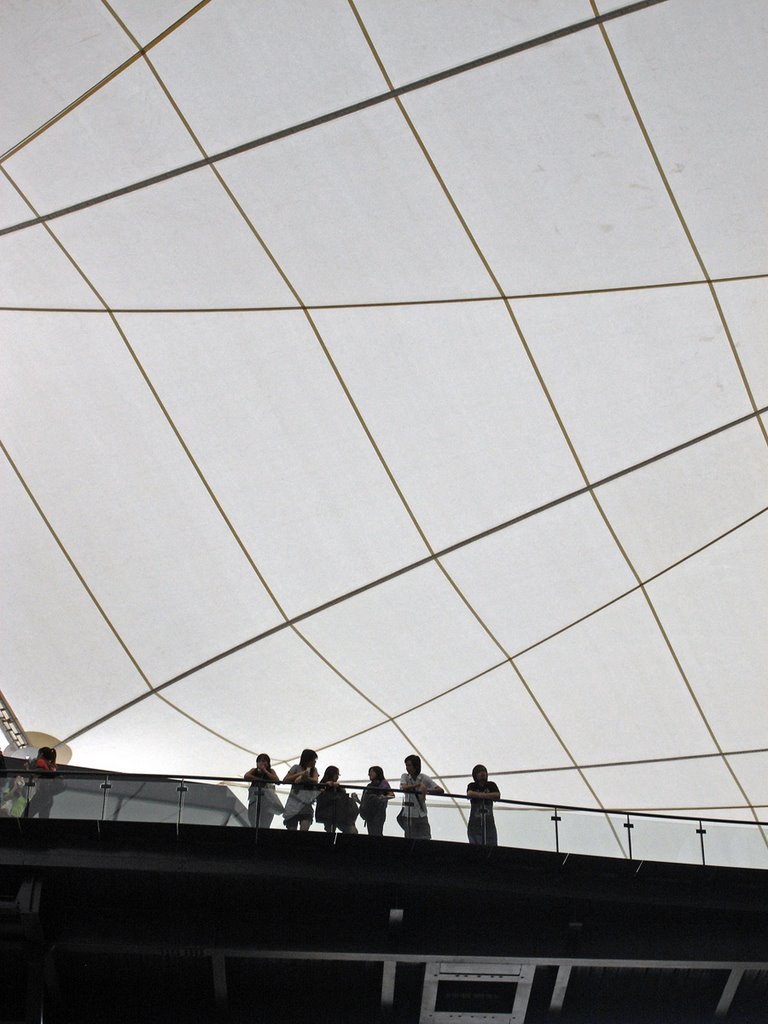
303 778
263 801
481 828
335 808
415 784
373 806
41 803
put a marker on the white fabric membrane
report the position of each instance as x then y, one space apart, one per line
215 458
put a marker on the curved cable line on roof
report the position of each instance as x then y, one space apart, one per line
322 119
78 101
734 352
388 303
560 420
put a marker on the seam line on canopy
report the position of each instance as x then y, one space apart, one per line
564 432
396 303
129 62
315 122
742 373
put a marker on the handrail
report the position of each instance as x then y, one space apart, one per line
64 773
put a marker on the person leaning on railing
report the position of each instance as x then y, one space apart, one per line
415 785
373 806
46 788
263 801
336 808
481 828
303 778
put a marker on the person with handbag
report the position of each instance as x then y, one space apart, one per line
336 809
263 801
373 806
415 785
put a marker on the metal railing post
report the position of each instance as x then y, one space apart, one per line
701 833
556 817
30 785
105 787
259 795
181 789
629 826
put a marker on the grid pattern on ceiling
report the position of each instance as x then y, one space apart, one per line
434 556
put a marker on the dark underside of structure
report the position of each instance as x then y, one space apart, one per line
141 922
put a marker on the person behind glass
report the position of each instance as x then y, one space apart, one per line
481 828
373 806
41 803
415 784
303 778
263 801
335 809
13 798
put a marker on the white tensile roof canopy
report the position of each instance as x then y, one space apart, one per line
390 376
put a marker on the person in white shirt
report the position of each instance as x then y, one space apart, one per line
415 785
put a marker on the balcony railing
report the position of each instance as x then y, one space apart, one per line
206 800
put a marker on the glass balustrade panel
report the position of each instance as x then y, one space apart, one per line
527 828
16 791
735 844
666 839
212 802
150 800
447 819
594 833
80 797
